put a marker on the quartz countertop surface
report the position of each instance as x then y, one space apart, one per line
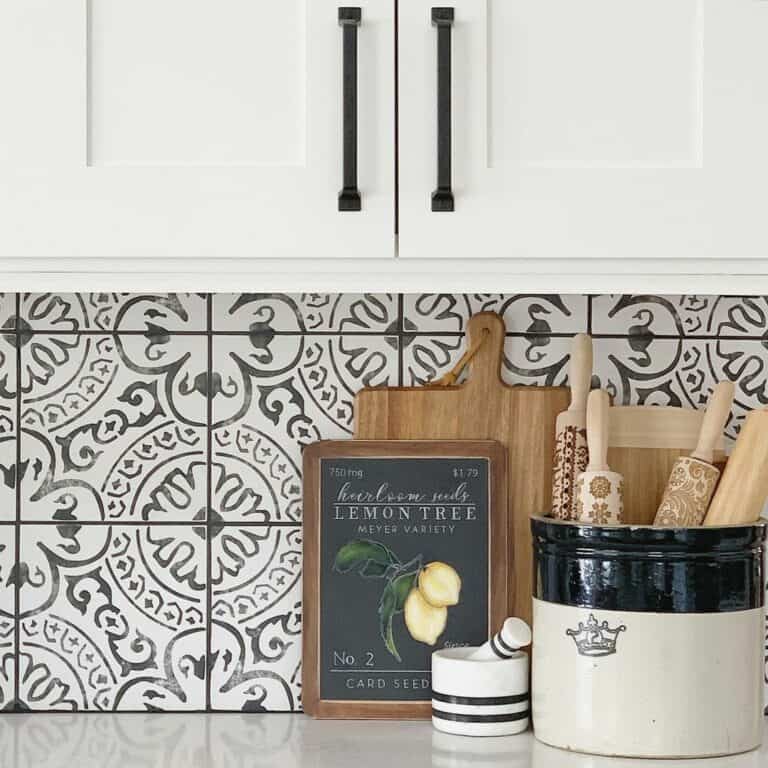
235 740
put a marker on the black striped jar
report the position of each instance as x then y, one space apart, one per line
479 697
648 641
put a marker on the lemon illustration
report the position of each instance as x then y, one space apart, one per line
425 622
439 584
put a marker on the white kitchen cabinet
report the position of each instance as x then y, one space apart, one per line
187 129
590 129
595 146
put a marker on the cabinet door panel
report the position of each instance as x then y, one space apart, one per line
590 129
191 128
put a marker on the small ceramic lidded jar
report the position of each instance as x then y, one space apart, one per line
648 640
479 697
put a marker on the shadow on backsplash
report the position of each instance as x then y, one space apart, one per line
150 503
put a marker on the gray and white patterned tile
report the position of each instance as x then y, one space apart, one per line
7 616
533 360
114 428
262 313
299 388
269 401
640 315
112 617
150 313
256 619
8 426
684 316
254 478
8 317
734 317
522 313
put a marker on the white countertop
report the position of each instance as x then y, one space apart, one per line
284 741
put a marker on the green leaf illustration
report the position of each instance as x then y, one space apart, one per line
392 602
370 557
386 613
402 587
375 570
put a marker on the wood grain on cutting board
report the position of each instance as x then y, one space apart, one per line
485 408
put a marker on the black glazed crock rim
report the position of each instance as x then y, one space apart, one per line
699 539
647 568
760 522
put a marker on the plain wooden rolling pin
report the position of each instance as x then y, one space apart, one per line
693 478
599 492
571 431
743 489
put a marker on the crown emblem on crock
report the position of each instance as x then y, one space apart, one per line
595 639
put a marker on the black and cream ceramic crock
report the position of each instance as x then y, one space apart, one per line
648 641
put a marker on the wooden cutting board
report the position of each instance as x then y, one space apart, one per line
644 443
483 408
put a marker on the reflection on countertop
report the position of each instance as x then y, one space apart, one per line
284 741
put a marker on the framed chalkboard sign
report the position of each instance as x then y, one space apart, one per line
405 552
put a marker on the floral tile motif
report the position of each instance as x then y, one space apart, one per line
112 617
7 612
256 618
299 388
305 313
522 313
539 360
151 313
254 479
114 427
716 316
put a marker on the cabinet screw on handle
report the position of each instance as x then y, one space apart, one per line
349 20
442 197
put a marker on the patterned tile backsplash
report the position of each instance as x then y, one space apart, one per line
150 453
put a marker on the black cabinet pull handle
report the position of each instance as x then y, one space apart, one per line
349 197
442 197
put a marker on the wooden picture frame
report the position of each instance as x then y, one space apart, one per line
497 574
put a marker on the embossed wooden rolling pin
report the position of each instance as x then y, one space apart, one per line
599 492
693 478
571 431
743 488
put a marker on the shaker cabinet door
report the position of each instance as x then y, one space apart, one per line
195 128
584 129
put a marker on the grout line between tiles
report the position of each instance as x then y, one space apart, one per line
426 334
153 523
208 501
17 527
